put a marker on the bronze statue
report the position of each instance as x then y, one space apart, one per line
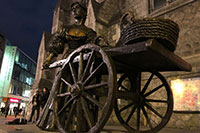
82 98
66 40
73 35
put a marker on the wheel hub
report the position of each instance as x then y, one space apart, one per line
76 90
140 100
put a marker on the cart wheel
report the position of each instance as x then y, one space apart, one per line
84 103
144 102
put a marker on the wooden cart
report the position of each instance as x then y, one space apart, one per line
86 89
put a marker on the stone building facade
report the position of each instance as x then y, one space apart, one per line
104 18
186 13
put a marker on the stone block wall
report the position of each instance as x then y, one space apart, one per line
138 7
188 47
113 34
107 11
188 18
101 30
184 121
186 13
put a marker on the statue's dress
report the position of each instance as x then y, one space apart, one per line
65 40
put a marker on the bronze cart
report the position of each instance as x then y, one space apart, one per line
86 88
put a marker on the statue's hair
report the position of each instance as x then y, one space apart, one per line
82 5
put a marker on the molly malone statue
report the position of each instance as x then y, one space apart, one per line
66 40
71 37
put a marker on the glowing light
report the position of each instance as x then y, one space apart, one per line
178 87
14 100
186 93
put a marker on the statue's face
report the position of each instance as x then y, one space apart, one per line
78 11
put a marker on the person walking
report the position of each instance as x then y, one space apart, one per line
36 106
7 110
2 110
44 97
15 110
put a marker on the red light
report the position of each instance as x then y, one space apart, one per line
14 100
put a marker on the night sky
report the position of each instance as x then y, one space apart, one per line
22 22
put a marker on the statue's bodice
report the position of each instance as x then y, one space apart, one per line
77 35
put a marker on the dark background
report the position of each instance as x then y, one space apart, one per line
22 22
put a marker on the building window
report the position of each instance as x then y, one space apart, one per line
156 4
159 3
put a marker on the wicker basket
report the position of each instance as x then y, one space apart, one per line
163 30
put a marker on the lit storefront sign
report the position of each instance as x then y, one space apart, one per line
6 70
186 93
14 100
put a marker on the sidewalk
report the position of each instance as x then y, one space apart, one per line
32 128
27 128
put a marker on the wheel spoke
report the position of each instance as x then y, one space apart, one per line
123 87
131 113
93 73
87 96
125 107
143 100
80 67
87 112
147 118
67 83
147 84
94 86
65 106
92 66
79 117
88 66
72 71
64 94
156 101
138 117
71 114
153 110
152 91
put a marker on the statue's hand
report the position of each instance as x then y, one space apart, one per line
46 64
48 61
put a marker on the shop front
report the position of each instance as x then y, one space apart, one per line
14 101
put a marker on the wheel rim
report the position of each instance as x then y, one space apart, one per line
147 104
84 102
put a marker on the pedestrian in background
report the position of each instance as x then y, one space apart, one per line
15 111
7 108
44 97
2 110
36 105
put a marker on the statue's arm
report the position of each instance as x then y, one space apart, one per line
56 46
91 36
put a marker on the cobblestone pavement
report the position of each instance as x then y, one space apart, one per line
32 128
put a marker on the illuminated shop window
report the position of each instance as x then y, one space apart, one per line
25 63
17 57
26 91
186 93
